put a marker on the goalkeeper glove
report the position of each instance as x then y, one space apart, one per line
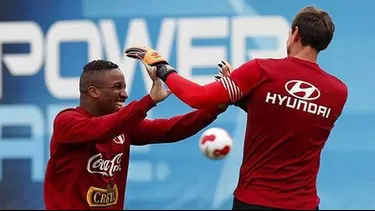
152 58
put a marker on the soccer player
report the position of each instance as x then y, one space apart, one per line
292 106
89 151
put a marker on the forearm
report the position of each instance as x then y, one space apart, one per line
195 95
185 126
174 129
104 127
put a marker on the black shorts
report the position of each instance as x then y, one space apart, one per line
239 205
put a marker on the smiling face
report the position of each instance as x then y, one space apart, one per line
102 87
110 91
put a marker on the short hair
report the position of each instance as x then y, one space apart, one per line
90 70
315 26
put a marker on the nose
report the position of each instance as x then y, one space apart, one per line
124 94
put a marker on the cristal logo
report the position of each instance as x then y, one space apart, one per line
97 165
302 90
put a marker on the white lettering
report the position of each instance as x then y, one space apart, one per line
137 35
289 104
104 37
328 112
68 31
21 64
189 57
296 103
97 165
258 26
269 97
281 99
300 102
23 148
312 108
321 110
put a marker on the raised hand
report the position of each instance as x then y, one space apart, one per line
158 91
225 69
152 58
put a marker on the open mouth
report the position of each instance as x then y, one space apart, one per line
120 104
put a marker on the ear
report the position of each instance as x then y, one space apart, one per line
295 34
93 92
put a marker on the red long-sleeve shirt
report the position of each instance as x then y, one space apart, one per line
90 155
292 107
226 90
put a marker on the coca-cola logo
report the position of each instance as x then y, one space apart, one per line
98 165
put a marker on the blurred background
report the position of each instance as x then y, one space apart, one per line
44 44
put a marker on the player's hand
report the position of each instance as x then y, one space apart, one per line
225 69
152 58
158 91
145 54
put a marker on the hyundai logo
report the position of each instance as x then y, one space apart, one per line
302 90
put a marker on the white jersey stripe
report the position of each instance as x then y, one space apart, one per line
233 90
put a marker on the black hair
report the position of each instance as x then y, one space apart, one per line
91 69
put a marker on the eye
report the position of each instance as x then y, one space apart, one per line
118 86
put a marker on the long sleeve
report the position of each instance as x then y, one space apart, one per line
226 90
71 126
174 129
195 95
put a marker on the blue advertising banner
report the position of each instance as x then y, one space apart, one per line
44 44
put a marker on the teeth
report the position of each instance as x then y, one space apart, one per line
120 104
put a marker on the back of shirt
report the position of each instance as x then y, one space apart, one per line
291 112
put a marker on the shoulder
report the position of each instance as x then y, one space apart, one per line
250 65
339 83
340 86
336 83
337 89
265 61
66 114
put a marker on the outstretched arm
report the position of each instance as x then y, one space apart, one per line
225 90
72 126
174 129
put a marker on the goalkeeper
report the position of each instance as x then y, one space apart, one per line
292 105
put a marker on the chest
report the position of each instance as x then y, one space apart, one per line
114 146
110 156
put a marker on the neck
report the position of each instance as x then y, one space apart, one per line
89 109
306 53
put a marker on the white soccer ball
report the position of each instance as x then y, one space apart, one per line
215 143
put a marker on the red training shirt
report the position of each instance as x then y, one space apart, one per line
291 110
90 155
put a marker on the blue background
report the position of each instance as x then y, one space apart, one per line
178 176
